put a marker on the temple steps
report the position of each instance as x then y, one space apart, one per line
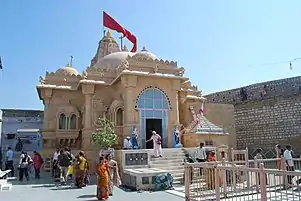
172 162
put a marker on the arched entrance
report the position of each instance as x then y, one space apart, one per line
153 109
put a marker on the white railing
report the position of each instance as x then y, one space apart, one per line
230 181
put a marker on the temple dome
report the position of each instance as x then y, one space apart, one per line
67 71
112 60
145 54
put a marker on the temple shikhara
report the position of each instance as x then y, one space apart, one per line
135 90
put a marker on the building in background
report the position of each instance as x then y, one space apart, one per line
18 124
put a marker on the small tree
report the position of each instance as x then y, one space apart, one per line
104 136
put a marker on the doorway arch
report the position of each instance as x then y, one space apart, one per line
153 106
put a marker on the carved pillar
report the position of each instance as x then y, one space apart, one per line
88 111
88 91
46 113
173 117
129 83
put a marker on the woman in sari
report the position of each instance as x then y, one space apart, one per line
114 178
80 166
87 176
102 179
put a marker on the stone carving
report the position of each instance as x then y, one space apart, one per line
189 87
136 159
85 74
156 68
42 80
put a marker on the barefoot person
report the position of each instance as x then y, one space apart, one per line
114 178
102 179
156 138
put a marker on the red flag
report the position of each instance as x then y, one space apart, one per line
110 23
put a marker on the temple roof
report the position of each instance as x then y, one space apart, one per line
206 127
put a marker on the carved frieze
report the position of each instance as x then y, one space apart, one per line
129 80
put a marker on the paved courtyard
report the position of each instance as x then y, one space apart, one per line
46 190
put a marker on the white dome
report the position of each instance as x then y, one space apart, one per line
145 54
67 71
112 60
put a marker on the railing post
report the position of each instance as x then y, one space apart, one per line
217 183
187 182
263 184
256 179
224 176
284 176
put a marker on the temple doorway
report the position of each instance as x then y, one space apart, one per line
153 111
152 125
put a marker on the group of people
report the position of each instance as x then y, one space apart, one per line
26 164
65 164
157 143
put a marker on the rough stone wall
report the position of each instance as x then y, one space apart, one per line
262 122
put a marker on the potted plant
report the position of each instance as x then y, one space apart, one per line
104 136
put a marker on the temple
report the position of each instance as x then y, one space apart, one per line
133 90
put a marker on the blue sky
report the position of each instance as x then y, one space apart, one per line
222 44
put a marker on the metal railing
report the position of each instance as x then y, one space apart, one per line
227 181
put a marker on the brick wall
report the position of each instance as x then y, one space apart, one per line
263 121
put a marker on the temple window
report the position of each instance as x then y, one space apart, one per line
73 121
119 117
62 121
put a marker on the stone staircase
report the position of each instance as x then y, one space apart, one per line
172 162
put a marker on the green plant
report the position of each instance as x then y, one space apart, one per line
104 135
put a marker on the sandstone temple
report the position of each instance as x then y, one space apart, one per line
133 90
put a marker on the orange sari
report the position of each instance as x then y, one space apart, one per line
102 181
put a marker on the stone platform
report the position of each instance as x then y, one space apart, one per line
142 178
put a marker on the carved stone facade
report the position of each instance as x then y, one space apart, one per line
127 88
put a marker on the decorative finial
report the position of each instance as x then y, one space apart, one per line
109 34
144 49
125 48
67 65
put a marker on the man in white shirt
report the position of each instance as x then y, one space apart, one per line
55 160
200 155
289 162
10 161
127 143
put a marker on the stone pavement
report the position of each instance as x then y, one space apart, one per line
46 190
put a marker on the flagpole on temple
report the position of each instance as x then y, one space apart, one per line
121 41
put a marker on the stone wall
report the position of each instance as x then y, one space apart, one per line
269 114
222 115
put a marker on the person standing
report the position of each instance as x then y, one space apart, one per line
80 165
9 165
289 162
114 178
63 162
200 155
279 155
102 172
55 161
37 163
25 161
157 141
